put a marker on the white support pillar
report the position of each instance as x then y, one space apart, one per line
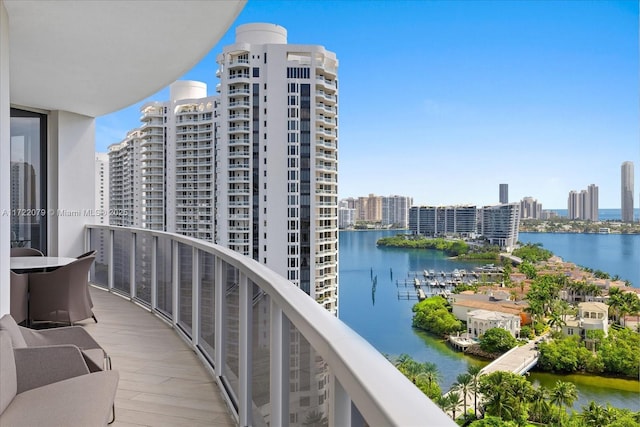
5 163
70 154
220 322
279 375
244 352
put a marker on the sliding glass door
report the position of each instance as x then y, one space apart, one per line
28 179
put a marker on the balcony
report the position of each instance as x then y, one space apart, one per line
162 381
275 355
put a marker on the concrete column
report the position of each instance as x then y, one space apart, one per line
5 162
71 189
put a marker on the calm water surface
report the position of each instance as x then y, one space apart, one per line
385 320
612 253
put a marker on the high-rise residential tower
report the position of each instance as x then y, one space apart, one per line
277 140
592 203
626 187
102 189
504 193
162 172
583 204
530 208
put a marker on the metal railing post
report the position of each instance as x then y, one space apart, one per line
279 374
244 351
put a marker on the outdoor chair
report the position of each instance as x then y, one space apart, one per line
19 296
52 385
86 254
61 295
15 252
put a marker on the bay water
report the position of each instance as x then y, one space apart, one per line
372 301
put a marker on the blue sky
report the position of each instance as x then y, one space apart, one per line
444 100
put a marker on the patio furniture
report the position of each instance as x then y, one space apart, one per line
52 386
61 295
19 296
96 357
18 252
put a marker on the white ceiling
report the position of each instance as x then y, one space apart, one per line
96 57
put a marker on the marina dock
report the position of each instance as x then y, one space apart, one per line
427 283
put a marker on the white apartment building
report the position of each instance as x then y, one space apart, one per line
436 221
170 158
253 169
101 207
500 224
395 210
125 183
277 167
346 217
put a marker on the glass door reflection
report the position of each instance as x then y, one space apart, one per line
28 180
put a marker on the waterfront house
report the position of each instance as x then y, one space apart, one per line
462 304
592 316
479 321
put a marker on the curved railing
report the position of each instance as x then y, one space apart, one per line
279 357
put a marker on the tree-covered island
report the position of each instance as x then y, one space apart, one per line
452 247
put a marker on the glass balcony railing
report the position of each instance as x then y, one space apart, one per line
279 358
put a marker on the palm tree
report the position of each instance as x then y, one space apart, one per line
429 371
556 321
539 403
474 372
595 415
615 303
564 394
454 401
463 384
442 401
497 397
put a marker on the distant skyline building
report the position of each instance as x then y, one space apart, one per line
583 204
626 187
504 193
346 217
395 210
574 205
436 221
592 203
530 208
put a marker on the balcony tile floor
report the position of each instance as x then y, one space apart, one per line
162 382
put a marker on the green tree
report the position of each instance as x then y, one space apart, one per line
497 340
463 384
540 404
432 315
474 371
564 394
497 397
595 415
619 352
563 355
528 269
453 401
